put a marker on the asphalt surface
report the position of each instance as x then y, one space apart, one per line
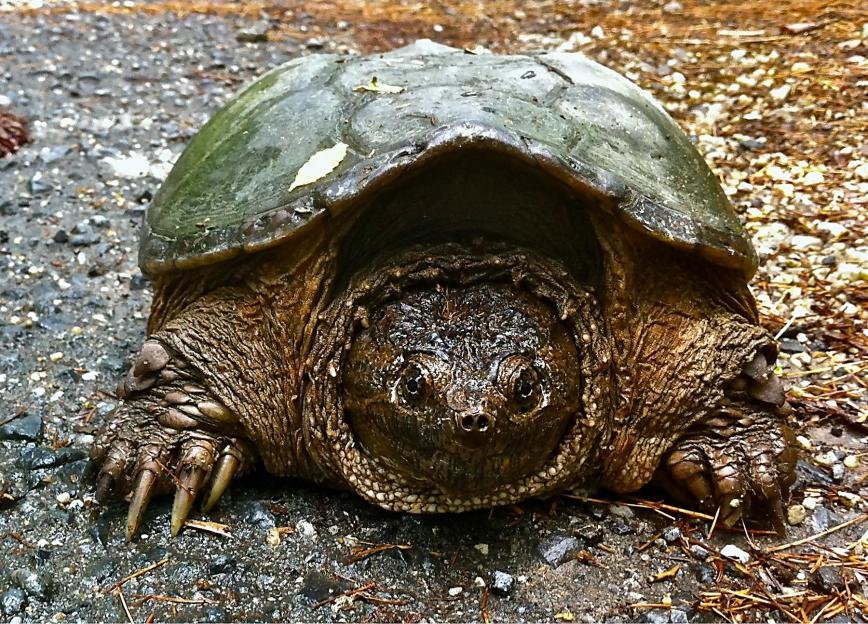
112 101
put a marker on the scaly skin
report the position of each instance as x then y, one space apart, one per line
672 373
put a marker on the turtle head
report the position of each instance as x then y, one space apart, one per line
462 388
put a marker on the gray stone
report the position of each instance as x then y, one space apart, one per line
38 186
49 155
255 33
790 345
820 519
13 601
664 616
31 582
502 583
83 235
27 427
100 221
622 528
559 549
222 564
260 516
706 574
672 535
828 578
699 552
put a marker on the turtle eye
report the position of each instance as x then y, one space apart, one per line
520 382
413 382
524 388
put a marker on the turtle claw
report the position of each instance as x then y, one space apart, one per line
227 466
189 483
144 489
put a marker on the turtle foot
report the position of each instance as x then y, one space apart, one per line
167 435
739 461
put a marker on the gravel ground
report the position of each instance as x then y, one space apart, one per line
775 99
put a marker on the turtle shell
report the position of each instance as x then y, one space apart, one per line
366 120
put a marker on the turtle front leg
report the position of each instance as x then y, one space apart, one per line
170 433
741 459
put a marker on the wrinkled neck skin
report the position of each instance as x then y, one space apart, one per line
459 376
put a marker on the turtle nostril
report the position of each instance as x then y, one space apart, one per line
475 423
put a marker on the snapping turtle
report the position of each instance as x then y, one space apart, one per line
448 281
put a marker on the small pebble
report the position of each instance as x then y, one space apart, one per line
306 528
558 549
804 442
621 511
851 462
502 583
796 514
13 601
826 459
30 582
672 534
780 93
731 551
812 178
820 519
801 242
455 591
699 552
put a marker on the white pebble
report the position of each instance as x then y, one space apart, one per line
780 93
800 241
306 528
483 548
731 551
455 591
813 177
826 459
833 229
